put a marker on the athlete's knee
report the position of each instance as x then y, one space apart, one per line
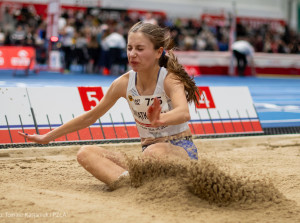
82 153
89 150
154 152
85 152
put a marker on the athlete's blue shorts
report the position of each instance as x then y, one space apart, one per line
186 143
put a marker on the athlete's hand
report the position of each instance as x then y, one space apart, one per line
41 139
153 113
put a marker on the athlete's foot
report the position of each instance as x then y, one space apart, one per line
122 181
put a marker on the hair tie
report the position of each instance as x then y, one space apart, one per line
163 53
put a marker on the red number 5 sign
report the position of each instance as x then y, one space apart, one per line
206 99
90 96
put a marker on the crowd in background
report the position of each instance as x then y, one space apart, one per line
96 39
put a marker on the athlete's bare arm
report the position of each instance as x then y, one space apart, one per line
116 90
180 113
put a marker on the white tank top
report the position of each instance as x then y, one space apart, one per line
139 105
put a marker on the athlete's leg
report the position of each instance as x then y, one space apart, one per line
103 164
240 58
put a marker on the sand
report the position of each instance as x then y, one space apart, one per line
245 179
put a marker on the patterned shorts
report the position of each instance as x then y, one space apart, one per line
186 143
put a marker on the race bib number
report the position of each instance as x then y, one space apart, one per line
140 105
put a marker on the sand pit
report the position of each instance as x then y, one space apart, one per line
249 179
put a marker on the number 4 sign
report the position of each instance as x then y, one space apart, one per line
206 99
90 96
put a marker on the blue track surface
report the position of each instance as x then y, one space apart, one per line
277 100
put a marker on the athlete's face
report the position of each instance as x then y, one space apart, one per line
141 53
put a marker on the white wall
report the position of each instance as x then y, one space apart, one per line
194 8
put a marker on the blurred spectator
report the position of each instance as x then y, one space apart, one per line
149 18
18 36
67 40
104 53
2 37
189 42
94 52
267 48
259 43
223 44
294 46
115 43
81 52
30 36
62 22
8 21
41 43
243 51
102 46
210 40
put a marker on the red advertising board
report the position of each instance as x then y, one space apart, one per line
14 57
38 7
206 100
90 96
253 22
